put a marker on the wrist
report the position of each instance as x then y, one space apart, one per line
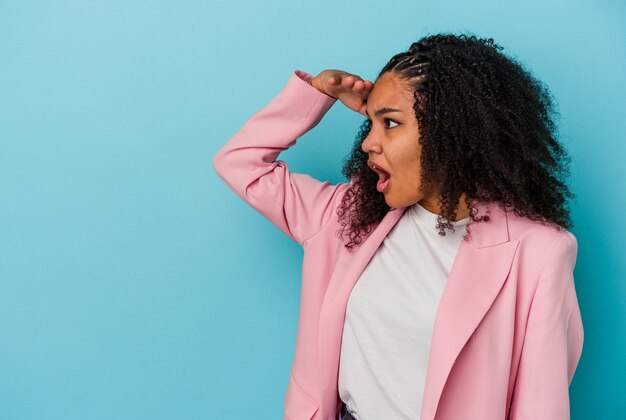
311 82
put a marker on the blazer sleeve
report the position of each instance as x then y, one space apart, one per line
553 340
298 204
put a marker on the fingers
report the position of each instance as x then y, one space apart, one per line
356 84
349 81
362 85
351 89
363 88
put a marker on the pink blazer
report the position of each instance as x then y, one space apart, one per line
508 332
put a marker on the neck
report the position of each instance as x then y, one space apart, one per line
434 206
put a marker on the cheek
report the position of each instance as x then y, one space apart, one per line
409 175
404 158
411 166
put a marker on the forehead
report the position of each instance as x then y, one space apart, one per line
389 90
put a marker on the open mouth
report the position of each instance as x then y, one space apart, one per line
383 177
383 182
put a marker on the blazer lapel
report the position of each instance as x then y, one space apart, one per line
476 277
477 274
348 268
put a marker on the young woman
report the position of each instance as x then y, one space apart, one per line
399 318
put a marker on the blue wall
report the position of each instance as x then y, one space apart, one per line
135 285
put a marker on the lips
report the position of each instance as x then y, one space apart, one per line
384 176
376 167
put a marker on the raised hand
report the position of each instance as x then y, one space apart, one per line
349 88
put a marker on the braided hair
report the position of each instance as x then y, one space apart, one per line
486 129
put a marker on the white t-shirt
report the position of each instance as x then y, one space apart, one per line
390 315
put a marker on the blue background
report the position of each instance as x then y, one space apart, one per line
135 285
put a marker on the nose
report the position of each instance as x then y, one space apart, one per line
370 144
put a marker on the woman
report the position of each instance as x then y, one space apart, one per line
400 319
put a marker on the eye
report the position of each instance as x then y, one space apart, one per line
386 120
392 121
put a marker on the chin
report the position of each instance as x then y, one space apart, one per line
397 203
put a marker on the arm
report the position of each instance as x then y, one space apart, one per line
553 341
297 204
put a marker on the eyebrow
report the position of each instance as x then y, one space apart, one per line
384 110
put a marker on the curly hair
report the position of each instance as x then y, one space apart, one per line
486 126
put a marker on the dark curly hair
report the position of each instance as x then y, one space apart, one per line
486 128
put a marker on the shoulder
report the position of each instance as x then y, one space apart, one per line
541 243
